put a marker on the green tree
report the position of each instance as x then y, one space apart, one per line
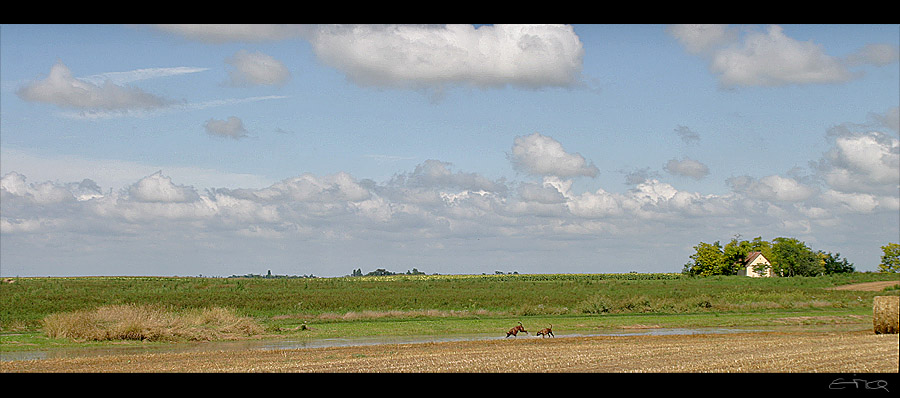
834 264
791 257
735 252
890 260
759 245
381 272
709 259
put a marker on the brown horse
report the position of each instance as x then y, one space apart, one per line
546 332
515 331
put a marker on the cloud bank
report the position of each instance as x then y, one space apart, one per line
433 209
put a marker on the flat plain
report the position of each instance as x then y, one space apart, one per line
843 344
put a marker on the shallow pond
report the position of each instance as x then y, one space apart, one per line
286 344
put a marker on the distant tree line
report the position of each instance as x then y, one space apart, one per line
384 272
269 275
787 257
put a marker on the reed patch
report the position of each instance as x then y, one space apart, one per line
149 323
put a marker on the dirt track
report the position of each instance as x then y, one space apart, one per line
868 286
775 352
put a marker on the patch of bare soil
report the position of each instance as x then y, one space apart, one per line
771 352
868 286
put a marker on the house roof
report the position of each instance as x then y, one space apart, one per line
752 256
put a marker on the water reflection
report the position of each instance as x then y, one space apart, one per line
287 344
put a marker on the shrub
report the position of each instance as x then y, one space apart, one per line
594 305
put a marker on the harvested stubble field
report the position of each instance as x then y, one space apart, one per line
763 352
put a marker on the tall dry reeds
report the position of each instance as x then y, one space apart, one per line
148 323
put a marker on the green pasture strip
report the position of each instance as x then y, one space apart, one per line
38 341
584 324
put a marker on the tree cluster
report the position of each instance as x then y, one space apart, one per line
384 272
787 257
269 275
890 259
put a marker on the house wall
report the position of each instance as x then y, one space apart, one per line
749 271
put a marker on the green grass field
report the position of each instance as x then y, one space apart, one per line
438 304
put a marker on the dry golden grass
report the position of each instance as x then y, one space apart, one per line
148 323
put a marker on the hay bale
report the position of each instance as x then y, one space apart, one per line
886 314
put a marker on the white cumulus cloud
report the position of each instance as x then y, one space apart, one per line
256 68
60 88
772 58
233 127
687 167
544 156
875 54
863 162
701 38
424 56
159 188
774 188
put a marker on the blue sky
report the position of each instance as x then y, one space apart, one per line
220 150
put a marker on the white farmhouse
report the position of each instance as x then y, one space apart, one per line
753 260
